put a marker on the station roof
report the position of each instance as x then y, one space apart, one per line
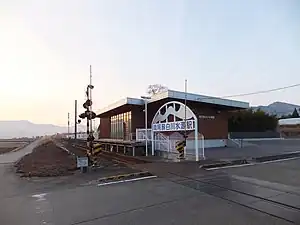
289 121
176 95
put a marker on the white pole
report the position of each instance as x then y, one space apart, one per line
203 153
146 126
168 144
196 139
152 140
185 97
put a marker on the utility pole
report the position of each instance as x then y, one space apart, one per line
145 98
87 120
185 97
91 126
75 129
68 124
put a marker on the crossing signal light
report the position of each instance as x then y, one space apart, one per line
87 104
88 114
91 115
82 115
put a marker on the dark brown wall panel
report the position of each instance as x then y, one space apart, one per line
216 128
104 128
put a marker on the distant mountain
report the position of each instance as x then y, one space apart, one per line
24 128
278 108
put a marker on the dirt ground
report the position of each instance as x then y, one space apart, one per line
8 146
46 160
6 149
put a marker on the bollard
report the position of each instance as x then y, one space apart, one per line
180 147
83 169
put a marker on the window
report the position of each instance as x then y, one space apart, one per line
120 126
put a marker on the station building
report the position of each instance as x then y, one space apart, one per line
203 119
289 128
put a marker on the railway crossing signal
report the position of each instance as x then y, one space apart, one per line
89 115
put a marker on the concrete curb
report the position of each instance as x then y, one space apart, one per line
124 176
120 177
276 157
252 160
222 164
214 165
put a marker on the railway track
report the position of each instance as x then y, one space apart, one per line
81 150
75 150
213 185
208 185
121 158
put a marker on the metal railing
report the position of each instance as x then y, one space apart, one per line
141 134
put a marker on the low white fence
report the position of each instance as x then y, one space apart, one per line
141 134
81 136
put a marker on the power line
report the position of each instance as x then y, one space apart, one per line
254 93
264 91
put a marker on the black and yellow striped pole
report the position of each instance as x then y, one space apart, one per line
180 145
98 148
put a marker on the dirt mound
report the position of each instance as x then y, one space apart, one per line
46 160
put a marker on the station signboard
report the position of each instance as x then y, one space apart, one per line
174 126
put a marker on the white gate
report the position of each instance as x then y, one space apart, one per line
164 143
173 117
167 144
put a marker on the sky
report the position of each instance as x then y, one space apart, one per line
221 47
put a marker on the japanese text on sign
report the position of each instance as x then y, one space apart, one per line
82 162
174 126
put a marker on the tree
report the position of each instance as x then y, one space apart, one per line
252 121
295 114
154 89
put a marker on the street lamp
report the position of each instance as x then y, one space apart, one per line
145 98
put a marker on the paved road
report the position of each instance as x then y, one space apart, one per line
283 172
183 195
257 149
146 202
252 149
